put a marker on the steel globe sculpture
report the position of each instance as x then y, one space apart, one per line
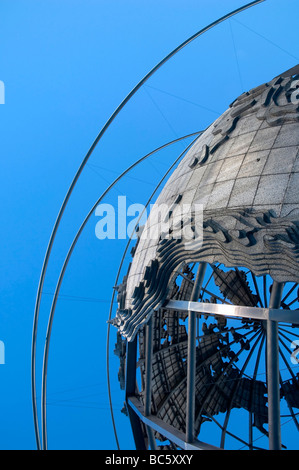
207 320
207 324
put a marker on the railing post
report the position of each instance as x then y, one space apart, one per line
148 380
273 371
191 362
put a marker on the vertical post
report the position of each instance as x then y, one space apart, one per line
131 360
148 379
191 362
273 371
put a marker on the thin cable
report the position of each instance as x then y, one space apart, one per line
160 112
77 298
236 55
70 190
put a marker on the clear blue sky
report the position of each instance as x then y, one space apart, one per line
66 65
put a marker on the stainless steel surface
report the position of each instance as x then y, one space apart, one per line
273 314
273 375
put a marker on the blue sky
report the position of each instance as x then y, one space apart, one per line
66 66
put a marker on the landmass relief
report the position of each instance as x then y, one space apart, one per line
152 459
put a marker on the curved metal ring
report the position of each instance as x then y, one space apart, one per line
70 190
